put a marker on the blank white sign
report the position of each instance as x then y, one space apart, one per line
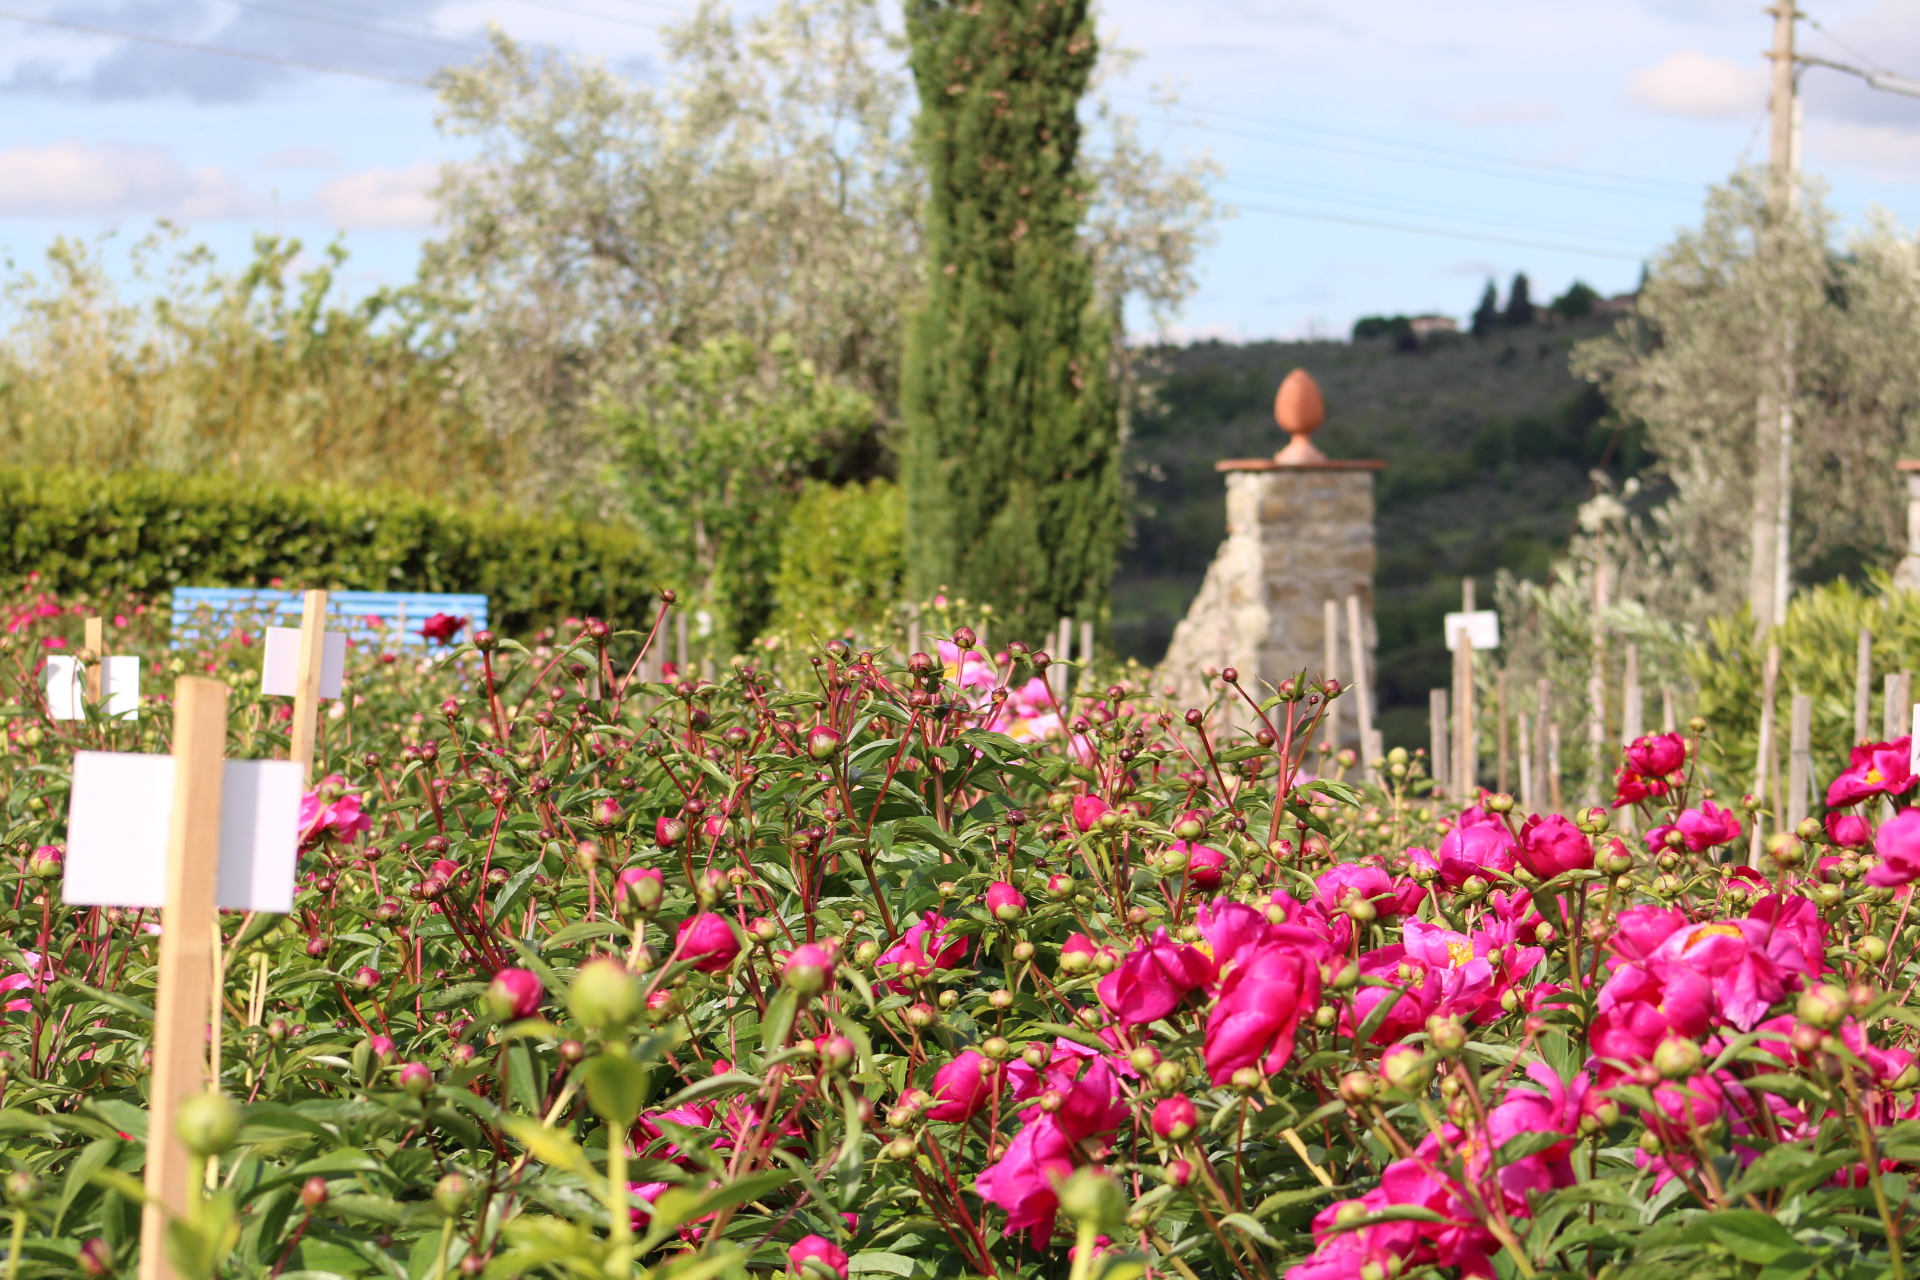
119 688
1483 628
280 671
120 819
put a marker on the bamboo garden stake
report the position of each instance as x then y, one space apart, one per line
1799 760
1362 687
306 698
97 646
1863 687
1330 728
186 957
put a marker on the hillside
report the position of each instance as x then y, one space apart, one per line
1489 444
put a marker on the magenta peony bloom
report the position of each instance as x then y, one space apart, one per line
817 1249
1632 788
926 946
1175 1117
441 628
961 1088
1879 768
514 994
1154 978
1022 1181
1415 993
1479 845
1264 992
1849 830
340 817
1204 865
1087 811
1004 902
1657 754
1898 844
1551 846
1639 931
707 940
1708 826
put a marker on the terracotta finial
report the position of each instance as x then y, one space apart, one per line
1299 410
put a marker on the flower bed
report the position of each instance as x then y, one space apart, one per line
815 971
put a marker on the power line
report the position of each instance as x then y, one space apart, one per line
1438 157
190 47
1436 231
1385 203
605 17
465 46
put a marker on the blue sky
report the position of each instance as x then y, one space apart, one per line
1571 138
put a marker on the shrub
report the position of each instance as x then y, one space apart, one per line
146 532
841 560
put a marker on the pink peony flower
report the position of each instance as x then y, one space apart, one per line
707 940
441 628
1849 830
1898 844
1879 768
1154 978
340 818
1708 826
961 1088
1630 787
818 1250
1022 1181
1414 994
926 946
1264 991
1087 811
1551 846
1657 754
1479 845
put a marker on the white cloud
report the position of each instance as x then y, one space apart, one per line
1890 153
1693 84
302 158
381 197
72 178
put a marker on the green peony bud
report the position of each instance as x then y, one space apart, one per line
207 1123
605 996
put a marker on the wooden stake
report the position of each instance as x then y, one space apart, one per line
1439 757
186 957
1863 687
1084 685
1500 708
1362 688
1763 753
1553 766
1667 722
306 696
1330 624
96 645
1466 742
1529 801
1633 706
1799 760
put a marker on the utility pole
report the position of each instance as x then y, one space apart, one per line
1771 544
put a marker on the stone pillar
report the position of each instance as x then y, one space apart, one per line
1299 533
1907 575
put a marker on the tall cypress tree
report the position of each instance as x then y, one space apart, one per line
1012 435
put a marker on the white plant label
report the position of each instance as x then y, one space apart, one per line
121 816
67 688
1482 625
280 670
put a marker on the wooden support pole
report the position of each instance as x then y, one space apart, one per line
97 665
306 696
1466 740
1529 799
1438 754
1863 687
186 957
1763 771
1362 686
1330 727
1084 685
1554 796
1633 705
1668 724
1500 708
1799 760
913 629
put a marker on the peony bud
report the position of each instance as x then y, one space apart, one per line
1093 1198
450 1193
514 994
1822 1006
1676 1058
808 969
207 1123
1005 902
668 832
605 996
823 743
1175 1117
416 1078
46 863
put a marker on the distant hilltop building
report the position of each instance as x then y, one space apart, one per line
1427 326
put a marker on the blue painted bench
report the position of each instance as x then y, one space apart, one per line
381 618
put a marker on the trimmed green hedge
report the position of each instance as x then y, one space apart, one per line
148 532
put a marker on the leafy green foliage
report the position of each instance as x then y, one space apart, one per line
841 560
149 531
